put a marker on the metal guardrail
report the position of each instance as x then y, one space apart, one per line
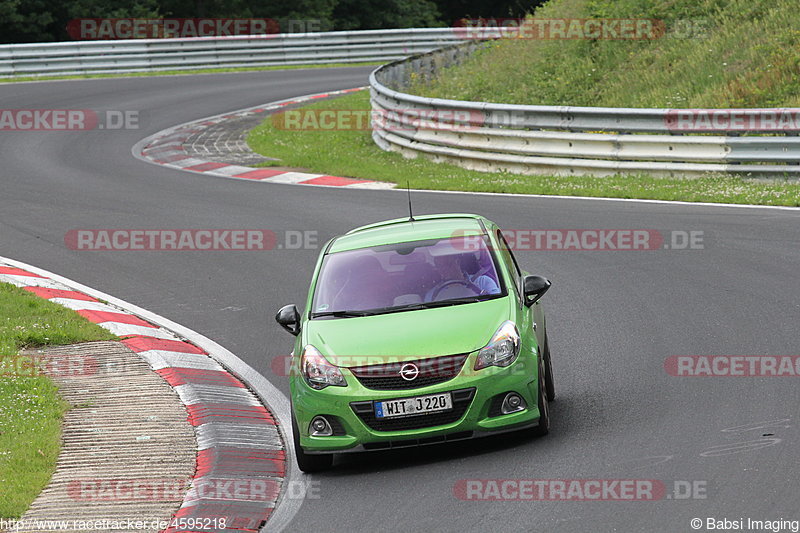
143 55
524 139
565 140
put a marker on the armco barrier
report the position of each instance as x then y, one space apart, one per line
528 139
565 140
143 55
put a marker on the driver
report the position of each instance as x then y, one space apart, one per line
463 267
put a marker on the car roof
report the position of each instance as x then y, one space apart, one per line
422 227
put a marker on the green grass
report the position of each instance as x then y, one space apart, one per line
740 53
30 408
353 154
183 72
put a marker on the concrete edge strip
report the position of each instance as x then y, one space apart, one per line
240 418
165 148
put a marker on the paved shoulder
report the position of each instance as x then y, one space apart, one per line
127 456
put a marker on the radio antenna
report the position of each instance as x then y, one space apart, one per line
410 212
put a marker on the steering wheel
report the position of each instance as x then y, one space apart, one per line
443 285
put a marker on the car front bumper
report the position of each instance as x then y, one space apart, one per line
479 418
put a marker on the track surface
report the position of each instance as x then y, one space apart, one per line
614 316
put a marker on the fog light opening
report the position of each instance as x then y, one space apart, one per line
513 403
320 427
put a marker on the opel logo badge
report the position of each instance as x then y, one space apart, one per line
409 372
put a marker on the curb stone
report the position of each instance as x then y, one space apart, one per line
238 438
169 148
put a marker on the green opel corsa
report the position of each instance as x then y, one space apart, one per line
417 331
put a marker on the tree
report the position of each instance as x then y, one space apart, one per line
453 10
371 14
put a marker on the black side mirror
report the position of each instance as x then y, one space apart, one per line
534 288
289 319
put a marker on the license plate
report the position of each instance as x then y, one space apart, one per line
417 405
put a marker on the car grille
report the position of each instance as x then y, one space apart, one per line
461 399
432 371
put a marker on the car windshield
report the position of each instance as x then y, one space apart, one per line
405 276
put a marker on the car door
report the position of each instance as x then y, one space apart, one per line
535 313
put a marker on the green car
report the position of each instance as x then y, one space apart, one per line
417 331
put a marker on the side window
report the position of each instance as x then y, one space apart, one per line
509 259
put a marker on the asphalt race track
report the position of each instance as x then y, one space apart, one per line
614 316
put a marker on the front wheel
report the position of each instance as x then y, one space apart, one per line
548 370
308 462
544 409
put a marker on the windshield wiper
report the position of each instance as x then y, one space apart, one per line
371 312
400 308
342 314
456 301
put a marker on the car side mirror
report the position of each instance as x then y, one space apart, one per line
289 319
533 288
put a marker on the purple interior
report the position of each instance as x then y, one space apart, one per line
404 274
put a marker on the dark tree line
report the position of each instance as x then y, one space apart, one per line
46 20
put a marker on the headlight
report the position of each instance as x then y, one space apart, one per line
318 372
502 350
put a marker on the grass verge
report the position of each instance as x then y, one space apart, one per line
31 409
185 72
713 54
352 153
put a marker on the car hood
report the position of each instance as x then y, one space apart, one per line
407 335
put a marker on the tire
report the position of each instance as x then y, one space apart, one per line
308 463
548 371
544 409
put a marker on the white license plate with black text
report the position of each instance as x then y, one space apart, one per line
414 406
